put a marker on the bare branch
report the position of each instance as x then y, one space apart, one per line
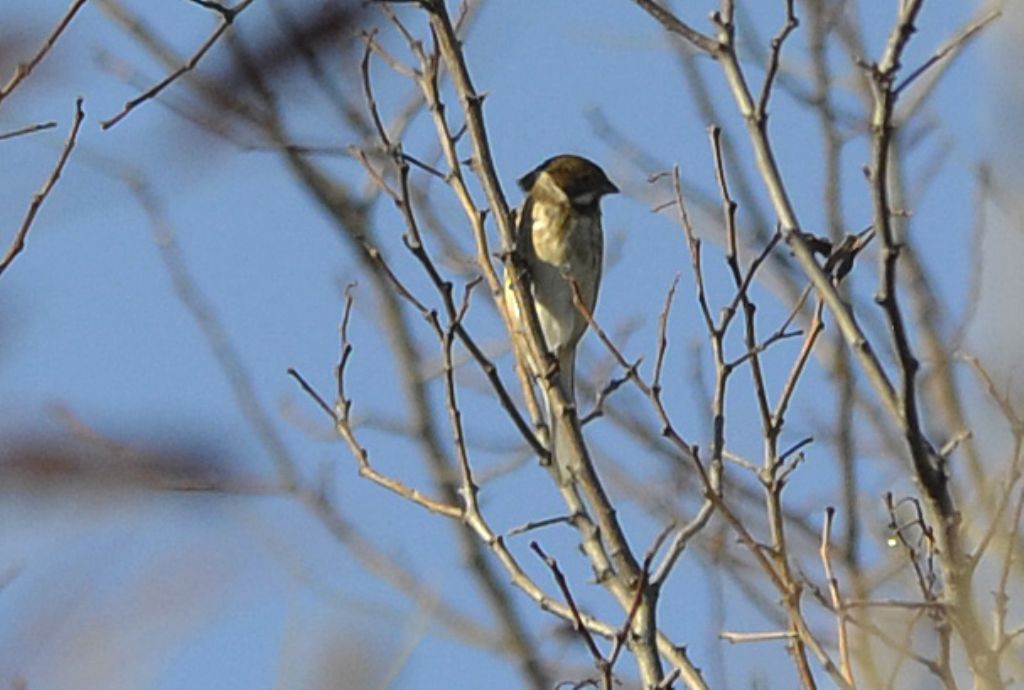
24 69
774 58
950 47
18 243
342 422
578 625
29 129
845 666
227 19
674 25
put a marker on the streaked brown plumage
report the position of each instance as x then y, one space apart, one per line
560 240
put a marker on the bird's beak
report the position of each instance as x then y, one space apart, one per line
609 188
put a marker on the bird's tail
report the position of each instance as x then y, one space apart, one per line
559 433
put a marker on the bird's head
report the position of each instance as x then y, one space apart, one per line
568 179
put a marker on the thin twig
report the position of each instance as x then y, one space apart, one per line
537 524
18 243
954 44
838 605
582 630
775 56
24 69
771 636
29 129
188 66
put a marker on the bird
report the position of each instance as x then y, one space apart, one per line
560 242
842 256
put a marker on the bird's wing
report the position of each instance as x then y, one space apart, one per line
524 234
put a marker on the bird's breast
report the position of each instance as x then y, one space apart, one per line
568 240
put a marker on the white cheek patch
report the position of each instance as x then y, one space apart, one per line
584 199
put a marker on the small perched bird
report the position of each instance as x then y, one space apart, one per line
560 241
842 256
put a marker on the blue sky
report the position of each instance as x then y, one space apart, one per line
243 592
